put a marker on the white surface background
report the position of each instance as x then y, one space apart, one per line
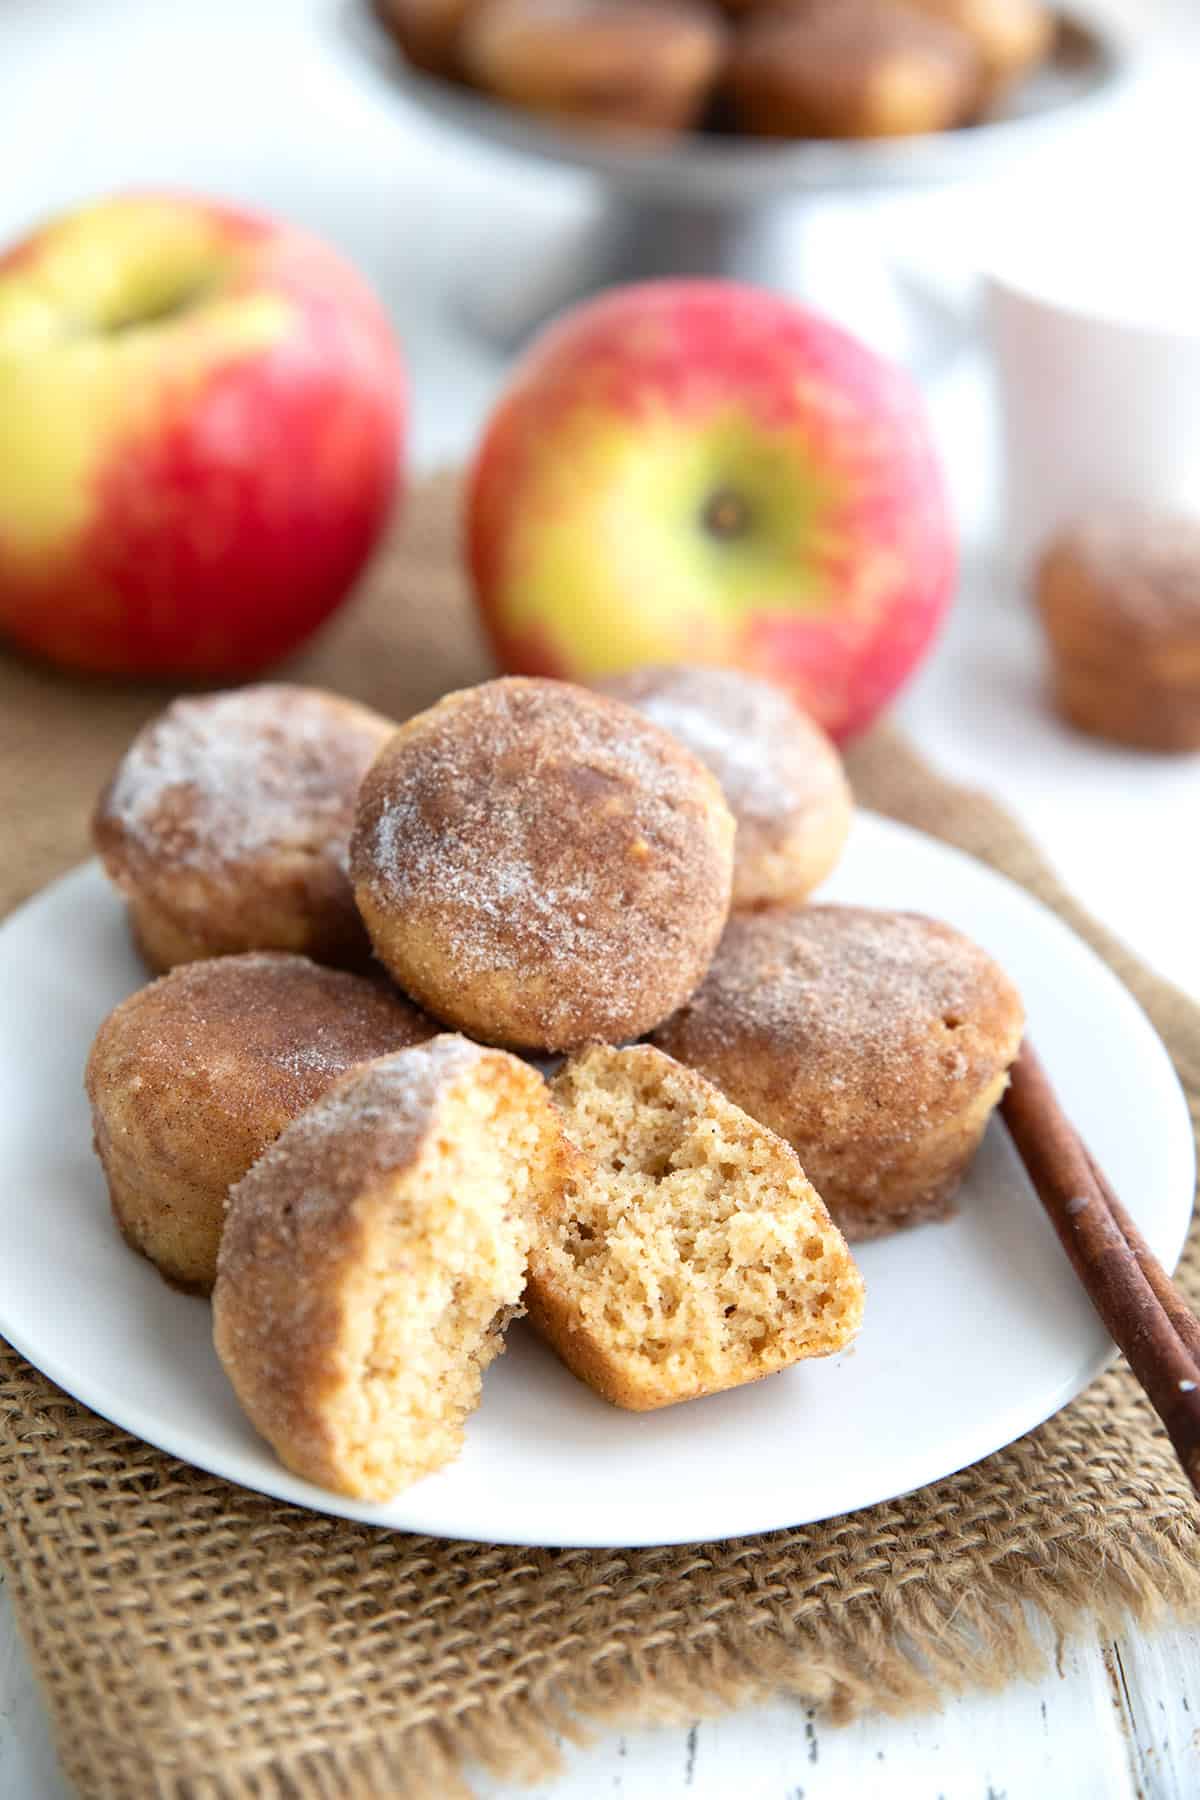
269 104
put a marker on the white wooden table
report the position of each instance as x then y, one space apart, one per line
95 94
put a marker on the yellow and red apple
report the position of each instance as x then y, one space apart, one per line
701 471
201 424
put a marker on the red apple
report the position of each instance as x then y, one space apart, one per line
698 471
201 419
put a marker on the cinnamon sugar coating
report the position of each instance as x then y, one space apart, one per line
850 69
539 865
1010 38
610 64
226 824
192 1077
428 31
780 774
876 1043
373 1256
1119 596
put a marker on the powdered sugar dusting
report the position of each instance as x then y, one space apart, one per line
861 1007
1144 569
772 762
231 777
368 1125
257 1037
544 831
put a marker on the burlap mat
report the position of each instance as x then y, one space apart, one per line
198 1641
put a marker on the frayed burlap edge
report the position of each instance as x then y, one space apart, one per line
198 1642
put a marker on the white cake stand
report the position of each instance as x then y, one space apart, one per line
707 203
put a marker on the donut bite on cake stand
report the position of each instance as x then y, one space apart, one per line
610 65
977 84
850 69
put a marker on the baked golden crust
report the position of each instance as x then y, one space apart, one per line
608 63
192 1077
428 31
374 1254
781 776
850 69
1119 596
1010 38
692 1255
875 1042
227 822
539 865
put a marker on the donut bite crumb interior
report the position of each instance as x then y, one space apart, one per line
693 1254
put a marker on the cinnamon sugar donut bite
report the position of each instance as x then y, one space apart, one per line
372 1258
539 865
619 64
876 1043
1119 597
781 776
192 1077
227 822
427 31
850 69
691 1253
1010 38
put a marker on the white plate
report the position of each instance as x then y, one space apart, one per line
975 1331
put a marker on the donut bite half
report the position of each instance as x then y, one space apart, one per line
373 1256
691 1253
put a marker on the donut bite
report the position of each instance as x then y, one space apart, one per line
373 1256
613 64
1119 597
691 1254
850 69
226 825
538 865
780 774
428 31
1010 38
192 1077
875 1043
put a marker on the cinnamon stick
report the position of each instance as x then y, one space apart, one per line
1166 1293
1144 1312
